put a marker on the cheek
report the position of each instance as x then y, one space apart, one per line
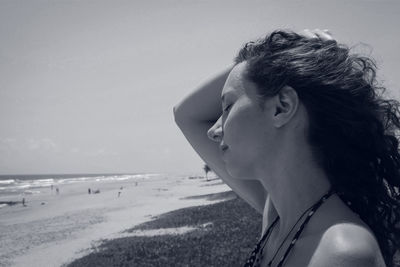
237 123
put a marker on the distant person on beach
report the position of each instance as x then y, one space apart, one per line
51 187
300 129
57 190
89 191
23 202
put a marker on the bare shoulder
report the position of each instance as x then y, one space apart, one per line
347 244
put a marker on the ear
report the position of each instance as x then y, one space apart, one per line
286 105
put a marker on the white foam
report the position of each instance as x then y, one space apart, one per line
73 180
10 181
43 180
22 186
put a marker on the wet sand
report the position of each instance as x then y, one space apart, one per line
53 229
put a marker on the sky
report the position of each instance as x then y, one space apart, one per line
89 86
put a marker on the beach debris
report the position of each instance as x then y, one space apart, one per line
97 191
161 189
195 177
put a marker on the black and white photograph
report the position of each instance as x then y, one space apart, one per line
196 133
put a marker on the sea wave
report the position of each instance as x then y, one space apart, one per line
26 186
9 181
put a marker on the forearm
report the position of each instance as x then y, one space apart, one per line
195 114
204 103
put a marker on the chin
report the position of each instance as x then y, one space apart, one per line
237 172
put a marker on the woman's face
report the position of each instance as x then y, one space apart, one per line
244 130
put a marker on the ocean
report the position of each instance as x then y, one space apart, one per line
11 185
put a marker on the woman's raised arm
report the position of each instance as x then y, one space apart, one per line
197 113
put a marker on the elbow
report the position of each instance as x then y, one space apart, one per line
175 110
177 115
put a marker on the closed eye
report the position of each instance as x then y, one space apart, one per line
227 108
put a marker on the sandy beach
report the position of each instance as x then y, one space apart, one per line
53 229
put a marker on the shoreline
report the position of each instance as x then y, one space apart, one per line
218 234
68 224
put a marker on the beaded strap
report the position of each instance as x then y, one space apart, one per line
296 236
252 259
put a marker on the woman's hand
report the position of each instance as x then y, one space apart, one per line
323 35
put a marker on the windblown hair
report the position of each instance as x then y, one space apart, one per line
353 129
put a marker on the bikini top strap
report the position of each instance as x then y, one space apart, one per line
310 214
251 259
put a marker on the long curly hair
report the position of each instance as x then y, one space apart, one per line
353 129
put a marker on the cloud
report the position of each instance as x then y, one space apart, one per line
45 144
101 152
167 151
8 143
74 150
93 152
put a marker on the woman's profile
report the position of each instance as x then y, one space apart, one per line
299 128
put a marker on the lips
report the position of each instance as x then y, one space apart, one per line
223 148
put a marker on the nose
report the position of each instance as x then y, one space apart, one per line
215 133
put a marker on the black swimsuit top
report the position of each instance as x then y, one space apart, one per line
254 260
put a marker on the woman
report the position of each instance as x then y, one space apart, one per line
305 137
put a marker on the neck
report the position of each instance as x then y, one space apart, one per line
294 188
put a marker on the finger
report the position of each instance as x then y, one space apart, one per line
327 31
324 36
309 34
